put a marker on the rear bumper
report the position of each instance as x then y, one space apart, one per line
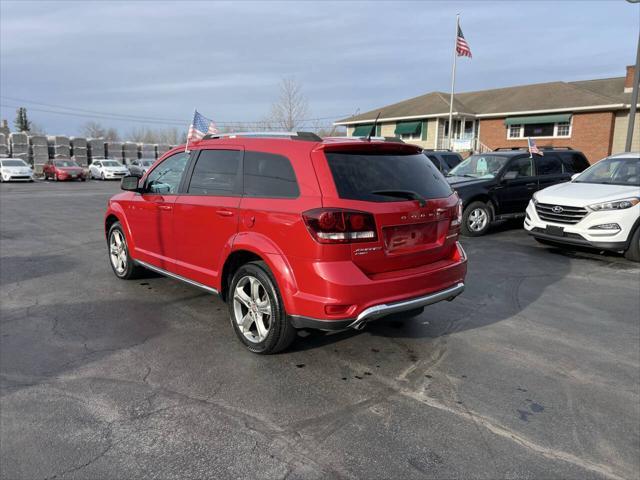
377 311
341 286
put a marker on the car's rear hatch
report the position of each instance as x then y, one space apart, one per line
411 202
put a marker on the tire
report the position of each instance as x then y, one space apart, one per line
476 219
129 270
633 252
272 336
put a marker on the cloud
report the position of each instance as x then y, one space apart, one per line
162 58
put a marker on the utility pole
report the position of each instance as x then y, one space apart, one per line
634 101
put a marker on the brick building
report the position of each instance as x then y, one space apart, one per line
589 115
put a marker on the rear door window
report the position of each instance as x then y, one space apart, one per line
436 162
216 172
269 175
574 163
451 160
358 175
549 164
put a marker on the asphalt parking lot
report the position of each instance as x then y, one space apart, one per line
532 373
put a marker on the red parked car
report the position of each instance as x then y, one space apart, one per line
294 231
61 169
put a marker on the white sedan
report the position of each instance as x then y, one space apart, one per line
107 169
15 169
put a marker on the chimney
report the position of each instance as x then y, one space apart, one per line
628 81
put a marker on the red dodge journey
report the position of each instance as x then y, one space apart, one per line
294 231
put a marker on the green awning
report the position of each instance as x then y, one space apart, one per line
362 130
562 117
408 128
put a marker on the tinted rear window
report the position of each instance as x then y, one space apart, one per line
574 163
357 175
452 160
269 175
215 173
548 164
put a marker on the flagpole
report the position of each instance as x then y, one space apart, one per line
453 81
186 145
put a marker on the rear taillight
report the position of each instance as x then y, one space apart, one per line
335 225
457 220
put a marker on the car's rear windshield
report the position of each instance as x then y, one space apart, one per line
358 175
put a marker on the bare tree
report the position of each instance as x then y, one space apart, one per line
93 129
291 108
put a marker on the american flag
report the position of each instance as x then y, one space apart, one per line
462 47
200 127
533 148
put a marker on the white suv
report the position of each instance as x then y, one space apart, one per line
599 208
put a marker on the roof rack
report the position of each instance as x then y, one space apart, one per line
541 147
436 150
308 136
383 139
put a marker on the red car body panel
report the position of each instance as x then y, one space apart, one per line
63 173
193 235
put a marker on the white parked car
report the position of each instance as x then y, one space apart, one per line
15 169
599 208
107 169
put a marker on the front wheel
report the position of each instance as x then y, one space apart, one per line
121 262
633 252
476 219
256 310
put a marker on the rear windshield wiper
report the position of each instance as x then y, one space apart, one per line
410 194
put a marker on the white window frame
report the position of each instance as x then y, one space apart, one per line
555 131
411 136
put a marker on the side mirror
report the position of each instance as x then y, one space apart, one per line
510 176
574 176
130 183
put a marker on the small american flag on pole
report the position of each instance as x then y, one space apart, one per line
200 127
533 148
462 47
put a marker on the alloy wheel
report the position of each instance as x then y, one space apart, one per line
478 220
252 309
118 252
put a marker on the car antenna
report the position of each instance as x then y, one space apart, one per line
373 127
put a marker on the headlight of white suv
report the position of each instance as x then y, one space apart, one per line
534 198
615 205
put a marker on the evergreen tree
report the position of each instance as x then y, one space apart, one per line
22 123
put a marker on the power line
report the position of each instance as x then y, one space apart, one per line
138 118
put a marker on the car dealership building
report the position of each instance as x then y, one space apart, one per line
589 115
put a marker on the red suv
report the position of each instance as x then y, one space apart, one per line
294 231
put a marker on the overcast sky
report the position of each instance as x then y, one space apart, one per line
160 59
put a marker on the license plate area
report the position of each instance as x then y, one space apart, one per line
409 238
555 231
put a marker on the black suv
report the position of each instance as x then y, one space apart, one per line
498 185
444 160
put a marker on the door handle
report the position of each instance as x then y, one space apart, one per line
530 185
167 208
224 213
